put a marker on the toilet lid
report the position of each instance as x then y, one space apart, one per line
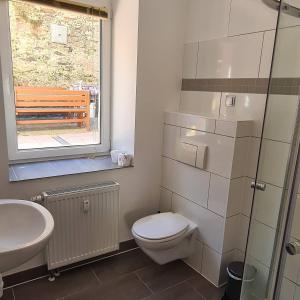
160 226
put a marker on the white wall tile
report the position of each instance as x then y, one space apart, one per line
247 196
273 162
219 152
227 258
236 194
297 293
195 260
210 225
288 290
295 3
246 153
251 16
257 288
267 53
225 195
190 60
288 20
252 156
261 242
296 220
239 255
171 137
241 157
218 194
233 57
234 128
243 233
228 128
206 104
247 107
211 265
185 180
165 202
190 121
292 267
267 205
232 232
276 127
201 19
286 57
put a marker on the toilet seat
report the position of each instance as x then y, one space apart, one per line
160 228
165 237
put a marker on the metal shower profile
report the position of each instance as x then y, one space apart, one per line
286 7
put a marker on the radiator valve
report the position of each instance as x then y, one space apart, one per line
86 206
38 198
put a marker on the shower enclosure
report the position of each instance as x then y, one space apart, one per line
273 247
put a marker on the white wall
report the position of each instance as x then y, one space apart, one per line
160 49
160 55
124 73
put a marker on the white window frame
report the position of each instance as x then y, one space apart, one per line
16 155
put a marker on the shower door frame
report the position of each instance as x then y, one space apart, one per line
290 190
287 214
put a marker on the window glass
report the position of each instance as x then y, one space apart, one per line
56 70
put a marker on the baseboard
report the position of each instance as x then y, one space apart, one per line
42 271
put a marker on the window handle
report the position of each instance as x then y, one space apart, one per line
258 186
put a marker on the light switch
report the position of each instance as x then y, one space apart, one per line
59 34
230 100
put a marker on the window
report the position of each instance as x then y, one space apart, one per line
55 72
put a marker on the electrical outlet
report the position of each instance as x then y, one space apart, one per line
230 100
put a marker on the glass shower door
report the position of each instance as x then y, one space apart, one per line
275 216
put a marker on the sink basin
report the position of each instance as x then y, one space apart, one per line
25 228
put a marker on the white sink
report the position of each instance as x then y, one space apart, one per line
25 228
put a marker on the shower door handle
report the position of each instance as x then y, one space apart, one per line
293 248
258 186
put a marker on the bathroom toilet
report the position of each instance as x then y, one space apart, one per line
165 237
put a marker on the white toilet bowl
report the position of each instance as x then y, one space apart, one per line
165 237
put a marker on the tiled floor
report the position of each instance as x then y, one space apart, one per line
129 276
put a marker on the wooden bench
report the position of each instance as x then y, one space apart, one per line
43 102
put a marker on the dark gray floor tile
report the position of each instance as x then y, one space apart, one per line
182 291
127 287
68 283
8 295
159 278
206 289
120 265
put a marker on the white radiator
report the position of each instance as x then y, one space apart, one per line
86 223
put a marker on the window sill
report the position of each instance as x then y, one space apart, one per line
38 170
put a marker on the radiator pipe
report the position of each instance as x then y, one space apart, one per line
1 286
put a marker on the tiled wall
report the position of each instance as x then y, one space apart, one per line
276 146
291 283
287 64
228 50
230 43
222 57
211 196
